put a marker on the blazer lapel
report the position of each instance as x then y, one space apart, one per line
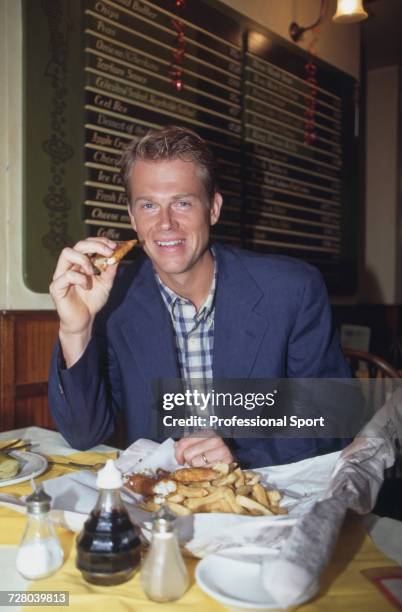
238 330
147 328
239 327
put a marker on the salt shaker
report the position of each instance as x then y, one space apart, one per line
164 575
39 553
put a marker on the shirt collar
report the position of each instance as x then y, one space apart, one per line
171 298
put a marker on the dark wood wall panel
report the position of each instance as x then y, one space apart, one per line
34 341
7 372
26 343
33 411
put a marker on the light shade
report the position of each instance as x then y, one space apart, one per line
349 11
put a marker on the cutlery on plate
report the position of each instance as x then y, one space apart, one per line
8 450
75 464
12 444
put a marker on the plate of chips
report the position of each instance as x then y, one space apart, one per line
223 487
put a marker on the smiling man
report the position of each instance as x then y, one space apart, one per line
172 212
187 310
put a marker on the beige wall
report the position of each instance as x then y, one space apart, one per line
3 157
379 283
339 45
13 292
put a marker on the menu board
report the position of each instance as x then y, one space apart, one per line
101 76
129 89
293 187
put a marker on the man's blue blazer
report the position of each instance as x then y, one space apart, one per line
272 320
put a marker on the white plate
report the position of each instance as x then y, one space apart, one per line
31 465
233 577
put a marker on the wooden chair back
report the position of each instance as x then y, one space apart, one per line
377 367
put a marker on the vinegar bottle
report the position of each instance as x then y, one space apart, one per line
108 547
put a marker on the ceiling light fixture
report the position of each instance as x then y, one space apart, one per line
349 11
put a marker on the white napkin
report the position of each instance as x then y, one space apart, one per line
145 455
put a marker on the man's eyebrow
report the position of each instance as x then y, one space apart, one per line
176 196
144 197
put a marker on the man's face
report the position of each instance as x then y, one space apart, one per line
171 213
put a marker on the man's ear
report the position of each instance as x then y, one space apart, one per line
132 220
215 210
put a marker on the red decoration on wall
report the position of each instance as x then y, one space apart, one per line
310 134
178 54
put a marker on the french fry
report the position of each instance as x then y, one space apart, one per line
187 491
251 504
246 490
225 480
222 468
273 496
175 498
226 507
214 507
240 481
213 489
230 498
278 510
260 495
178 509
252 478
100 262
193 503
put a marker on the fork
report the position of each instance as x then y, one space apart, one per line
13 445
10 449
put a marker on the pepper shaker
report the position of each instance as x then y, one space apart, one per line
164 575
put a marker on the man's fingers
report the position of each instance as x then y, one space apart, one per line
95 243
191 450
78 254
213 456
184 443
199 448
69 259
59 287
106 278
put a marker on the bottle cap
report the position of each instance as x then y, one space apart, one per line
109 477
38 502
163 520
